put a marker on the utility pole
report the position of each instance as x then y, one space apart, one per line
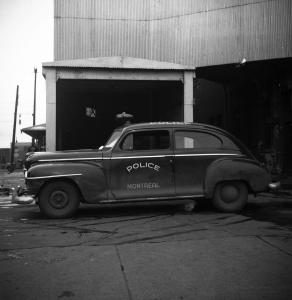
14 129
34 102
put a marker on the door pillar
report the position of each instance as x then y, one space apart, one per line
188 96
50 75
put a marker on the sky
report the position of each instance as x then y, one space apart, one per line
26 41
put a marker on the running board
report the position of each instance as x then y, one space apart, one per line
189 197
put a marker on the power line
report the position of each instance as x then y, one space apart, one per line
168 17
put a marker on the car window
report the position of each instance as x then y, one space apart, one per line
228 143
195 140
113 138
146 140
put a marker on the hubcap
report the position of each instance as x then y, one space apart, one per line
58 199
229 193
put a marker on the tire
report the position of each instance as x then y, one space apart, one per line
59 199
230 196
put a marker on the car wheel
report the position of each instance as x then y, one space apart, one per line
230 196
59 199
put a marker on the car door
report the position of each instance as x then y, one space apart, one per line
141 165
194 152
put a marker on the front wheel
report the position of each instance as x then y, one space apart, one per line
59 199
230 196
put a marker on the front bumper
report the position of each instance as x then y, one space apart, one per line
274 186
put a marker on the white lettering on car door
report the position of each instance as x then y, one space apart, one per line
141 165
143 185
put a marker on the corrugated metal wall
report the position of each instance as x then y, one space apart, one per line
192 32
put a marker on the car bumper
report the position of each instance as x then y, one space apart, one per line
274 186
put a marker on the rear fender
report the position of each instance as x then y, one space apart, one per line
236 169
89 177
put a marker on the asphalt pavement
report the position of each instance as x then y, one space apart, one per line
148 252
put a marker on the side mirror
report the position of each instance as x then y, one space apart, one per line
101 147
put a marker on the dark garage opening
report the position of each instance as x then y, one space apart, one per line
256 102
86 109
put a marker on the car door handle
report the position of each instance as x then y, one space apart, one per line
172 164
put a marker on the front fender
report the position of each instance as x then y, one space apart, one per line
239 169
89 177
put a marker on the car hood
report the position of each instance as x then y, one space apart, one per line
42 157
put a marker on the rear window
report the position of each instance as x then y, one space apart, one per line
196 140
146 140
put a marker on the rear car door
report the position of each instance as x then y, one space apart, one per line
141 165
194 151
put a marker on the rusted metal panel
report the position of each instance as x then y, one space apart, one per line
189 32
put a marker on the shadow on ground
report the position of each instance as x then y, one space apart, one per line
275 210
89 211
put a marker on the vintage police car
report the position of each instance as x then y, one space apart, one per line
148 162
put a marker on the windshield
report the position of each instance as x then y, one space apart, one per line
113 139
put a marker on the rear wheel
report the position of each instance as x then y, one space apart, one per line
230 196
59 199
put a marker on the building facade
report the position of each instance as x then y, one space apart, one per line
189 32
241 49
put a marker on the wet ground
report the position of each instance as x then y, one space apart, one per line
148 252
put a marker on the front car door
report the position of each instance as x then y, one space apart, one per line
141 165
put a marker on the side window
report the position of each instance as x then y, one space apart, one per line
228 143
127 143
196 140
146 140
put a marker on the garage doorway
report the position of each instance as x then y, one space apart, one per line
86 109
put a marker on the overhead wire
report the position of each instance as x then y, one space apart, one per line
167 17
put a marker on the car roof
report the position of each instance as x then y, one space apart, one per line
179 125
184 125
